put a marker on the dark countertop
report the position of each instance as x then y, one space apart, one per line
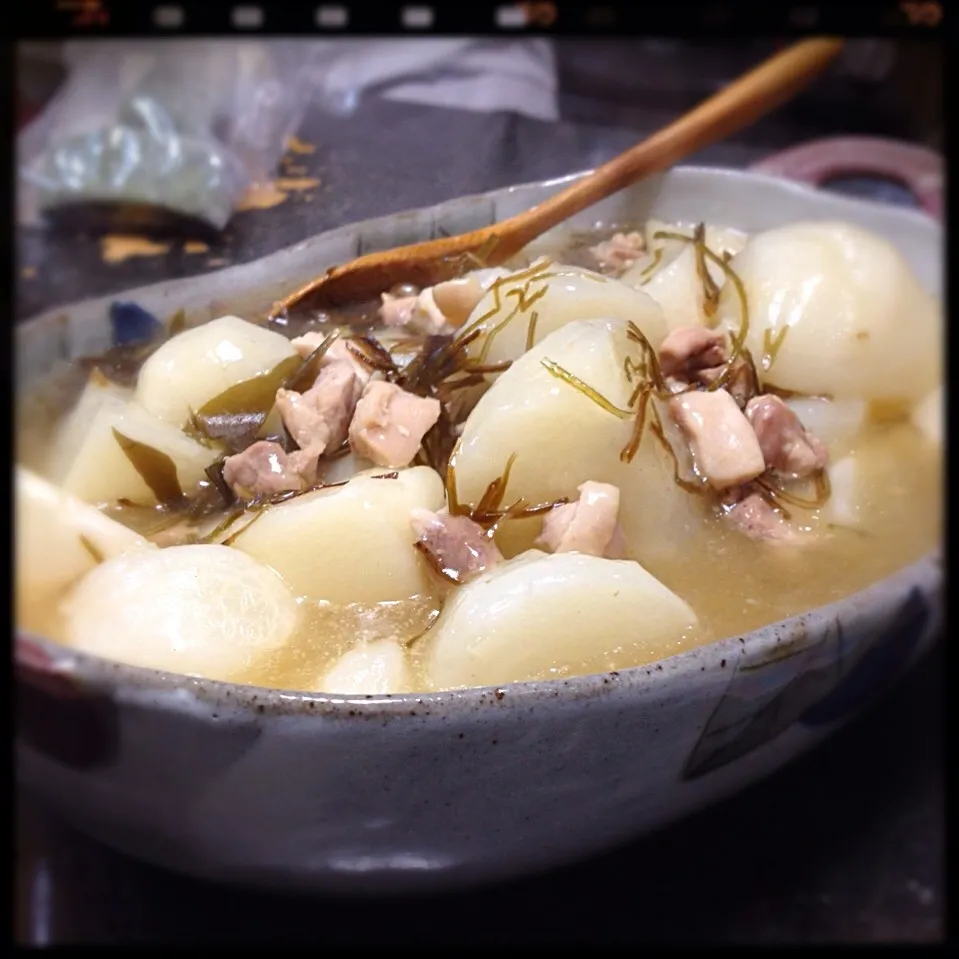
846 844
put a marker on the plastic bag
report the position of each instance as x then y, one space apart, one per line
145 128
479 74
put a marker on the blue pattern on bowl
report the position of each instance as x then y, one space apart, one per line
878 667
132 324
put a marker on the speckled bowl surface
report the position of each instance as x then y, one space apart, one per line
407 793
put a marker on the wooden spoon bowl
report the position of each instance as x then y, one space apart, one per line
733 108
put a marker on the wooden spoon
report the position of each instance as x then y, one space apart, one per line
736 106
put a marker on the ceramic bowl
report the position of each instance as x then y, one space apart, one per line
404 793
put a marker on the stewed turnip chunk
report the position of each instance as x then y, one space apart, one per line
669 273
389 423
835 311
837 423
201 363
99 470
720 239
99 394
865 482
928 415
456 299
540 615
352 543
207 610
369 669
558 295
59 538
673 284
562 437
341 468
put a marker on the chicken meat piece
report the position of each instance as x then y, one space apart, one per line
319 419
456 546
722 441
396 310
752 515
619 252
418 314
590 525
337 353
741 384
688 349
788 447
389 423
262 469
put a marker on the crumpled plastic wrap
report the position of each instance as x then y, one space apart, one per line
484 75
149 128
181 127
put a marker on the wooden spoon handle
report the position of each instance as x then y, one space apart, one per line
736 106
732 109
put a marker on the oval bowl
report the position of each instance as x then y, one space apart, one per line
409 793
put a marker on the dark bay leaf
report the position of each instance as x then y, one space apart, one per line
157 470
142 519
197 432
214 473
255 395
235 416
235 430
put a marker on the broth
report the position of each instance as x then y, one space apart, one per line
733 583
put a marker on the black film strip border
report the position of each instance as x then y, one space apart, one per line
42 19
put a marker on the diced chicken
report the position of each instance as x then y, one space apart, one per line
590 525
337 353
787 446
396 310
688 349
620 251
741 384
456 545
419 313
721 439
262 469
456 299
389 424
758 520
319 419
307 343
